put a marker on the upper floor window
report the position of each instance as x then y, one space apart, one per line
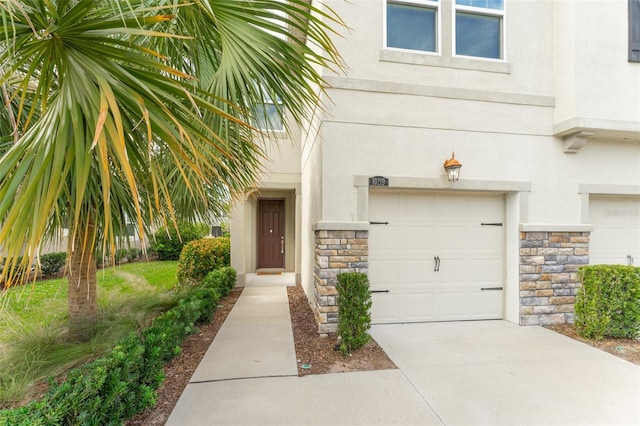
472 28
634 30
479 28
269 114
412 24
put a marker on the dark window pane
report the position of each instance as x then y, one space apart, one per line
411 27
634 30
478 35
487 4
268 118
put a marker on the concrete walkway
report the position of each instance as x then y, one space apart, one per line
249 377
461 373
255 340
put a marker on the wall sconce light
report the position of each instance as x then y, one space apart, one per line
452 166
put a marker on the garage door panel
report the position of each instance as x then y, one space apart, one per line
454 305
451 206
453 270
385 307
414 236
488 302
615 238
487 272
451 237
384 237
383 272
415 206
485 237
422 226
417 307
418 271
383 205
460 305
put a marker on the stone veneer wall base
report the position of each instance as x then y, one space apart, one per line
549 263
335 252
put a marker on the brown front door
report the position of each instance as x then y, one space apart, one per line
270 233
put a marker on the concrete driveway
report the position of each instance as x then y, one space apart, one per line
498 373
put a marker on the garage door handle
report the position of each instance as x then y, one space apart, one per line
378 291
630 260
436 259
491 288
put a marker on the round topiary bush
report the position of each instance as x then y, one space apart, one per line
200 257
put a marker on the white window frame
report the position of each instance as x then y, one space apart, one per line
268 127
427 4
472 10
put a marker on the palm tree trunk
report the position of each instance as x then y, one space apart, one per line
82 300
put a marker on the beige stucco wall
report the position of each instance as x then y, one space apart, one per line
593 78
402 116
399 113
312 185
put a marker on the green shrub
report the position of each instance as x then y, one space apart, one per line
168 242
133 253
121 254
104 259
608 302
19 272
51 263
225 276
200 257
354 304
124 382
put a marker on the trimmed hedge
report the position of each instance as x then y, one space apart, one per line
124 381
354 305
608 302
200 257
51 263
168 242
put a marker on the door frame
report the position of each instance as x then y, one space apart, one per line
283 224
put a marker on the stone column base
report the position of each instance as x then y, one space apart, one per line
335 252
549 263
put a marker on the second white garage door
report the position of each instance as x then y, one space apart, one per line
616 230
439 258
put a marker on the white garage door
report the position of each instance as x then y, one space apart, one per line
440 257
615 238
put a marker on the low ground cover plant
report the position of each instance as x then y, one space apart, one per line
33 326
354 305
124 381
608 302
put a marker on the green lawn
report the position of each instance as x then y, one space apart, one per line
33 341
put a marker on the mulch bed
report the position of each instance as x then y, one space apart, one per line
627 349
320 353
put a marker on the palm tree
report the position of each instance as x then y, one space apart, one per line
139 109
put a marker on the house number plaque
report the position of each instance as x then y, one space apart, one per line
378 181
